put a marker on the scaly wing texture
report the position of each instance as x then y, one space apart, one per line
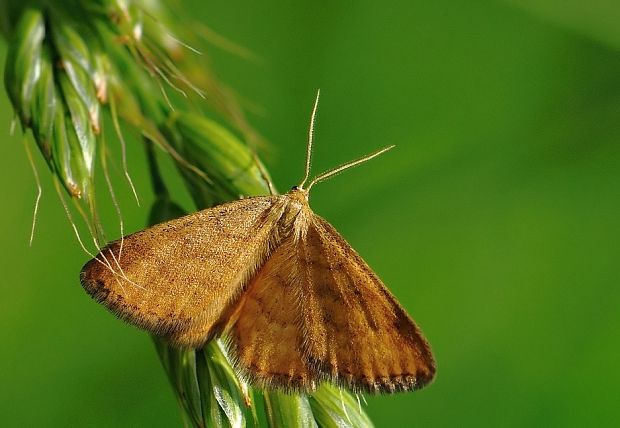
177 278
266 335
355 331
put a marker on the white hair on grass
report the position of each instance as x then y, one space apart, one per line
101 258
121 139
39 189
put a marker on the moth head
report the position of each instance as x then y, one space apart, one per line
334 171
299 193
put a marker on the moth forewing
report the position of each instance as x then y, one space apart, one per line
176 278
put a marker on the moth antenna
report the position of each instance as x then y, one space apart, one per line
337 170
121 139
39 189
310 137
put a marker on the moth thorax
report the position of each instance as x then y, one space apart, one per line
294 219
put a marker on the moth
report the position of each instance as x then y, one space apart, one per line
297 304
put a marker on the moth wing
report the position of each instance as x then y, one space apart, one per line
264 332
176 278
356 333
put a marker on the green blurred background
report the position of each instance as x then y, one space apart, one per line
495 221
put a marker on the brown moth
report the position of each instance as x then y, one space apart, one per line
297 304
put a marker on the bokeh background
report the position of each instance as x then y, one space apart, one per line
495 221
